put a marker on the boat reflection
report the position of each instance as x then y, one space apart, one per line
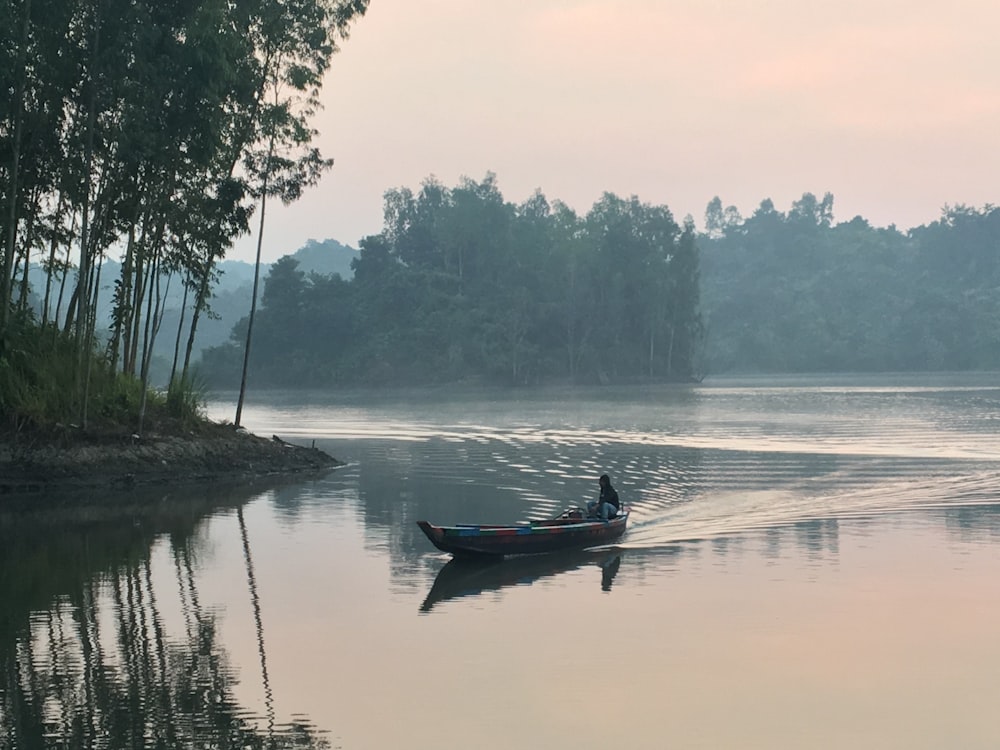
463 577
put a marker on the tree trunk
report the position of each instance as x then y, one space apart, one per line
65 273
124 306
82 288
60 206
29 240
154 316
13 189
199 303
256 281
91 325
180 328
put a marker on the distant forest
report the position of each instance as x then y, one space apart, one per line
463 286
794 292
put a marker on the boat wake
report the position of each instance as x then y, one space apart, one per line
714 514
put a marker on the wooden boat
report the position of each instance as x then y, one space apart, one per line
571 530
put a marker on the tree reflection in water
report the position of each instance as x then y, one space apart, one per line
85 659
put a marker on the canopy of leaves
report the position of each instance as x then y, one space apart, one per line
462 285
792 292
147 128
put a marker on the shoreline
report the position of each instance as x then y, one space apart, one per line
76 461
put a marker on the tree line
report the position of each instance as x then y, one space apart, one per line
147 129
462 285
795 292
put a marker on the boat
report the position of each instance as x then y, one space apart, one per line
571 530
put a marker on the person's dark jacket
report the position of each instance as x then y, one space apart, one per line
610 495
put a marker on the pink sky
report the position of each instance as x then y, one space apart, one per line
891 105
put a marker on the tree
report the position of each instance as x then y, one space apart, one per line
719 221
463 285
300 38
149 126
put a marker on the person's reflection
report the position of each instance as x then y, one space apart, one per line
609 569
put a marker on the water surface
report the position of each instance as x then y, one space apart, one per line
810 563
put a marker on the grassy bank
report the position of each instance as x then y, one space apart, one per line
45 385
67 421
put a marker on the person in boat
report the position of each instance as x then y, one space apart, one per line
607 504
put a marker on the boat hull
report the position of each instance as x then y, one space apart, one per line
537 537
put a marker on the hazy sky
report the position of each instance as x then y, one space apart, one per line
891 105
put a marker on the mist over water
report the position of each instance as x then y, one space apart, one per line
690 462
801 555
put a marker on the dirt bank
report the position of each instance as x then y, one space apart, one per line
70 459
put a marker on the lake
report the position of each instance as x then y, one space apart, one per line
810 563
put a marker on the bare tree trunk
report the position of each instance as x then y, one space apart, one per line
29 240
65 271
60 205
199 303
180 328
142 279
70 323
91 326
122 314
83 276
6 279
154 317
256 280
138 285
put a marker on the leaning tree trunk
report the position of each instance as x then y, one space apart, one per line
201 299
256 280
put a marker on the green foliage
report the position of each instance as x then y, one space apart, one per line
39 388
795 293
36 376
150 127
462 285
185 399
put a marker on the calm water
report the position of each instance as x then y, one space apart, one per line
809 564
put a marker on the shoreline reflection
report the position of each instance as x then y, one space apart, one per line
105 635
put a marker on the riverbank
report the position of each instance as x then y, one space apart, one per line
73 459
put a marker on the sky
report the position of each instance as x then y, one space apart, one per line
893 106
